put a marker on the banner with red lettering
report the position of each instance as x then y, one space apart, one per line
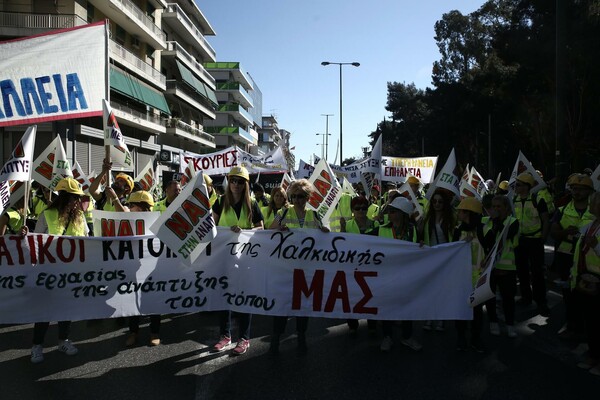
147 177
217 163
523 165
18 167
114 139
187 226
302 272
398 169
327 191
114 223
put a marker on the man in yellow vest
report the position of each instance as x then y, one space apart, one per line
565 230
112 198
532 213
172 191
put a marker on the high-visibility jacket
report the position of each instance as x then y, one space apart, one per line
352 227
373 211
570 217
56 228
591 257
291 220
388 231
213 198
160 205
342 210
15 221
507 258
477 254
427 239
528 215
230 218
38 205
268 215
547 196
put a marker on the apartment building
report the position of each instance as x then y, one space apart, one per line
239 107
160 91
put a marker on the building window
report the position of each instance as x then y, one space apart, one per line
90 12
120 35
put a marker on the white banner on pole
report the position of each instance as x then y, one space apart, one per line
114 223
53 76
398 169
327 191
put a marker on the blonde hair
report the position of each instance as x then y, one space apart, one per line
302 185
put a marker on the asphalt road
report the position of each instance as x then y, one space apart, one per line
534 365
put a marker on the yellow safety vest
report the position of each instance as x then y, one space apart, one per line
342 210
56 228
477 254
570 217
388 232
268 215
592 260
507 259
15 221
160 205
39 205
373 211
352 227
528 216
230 218
291 220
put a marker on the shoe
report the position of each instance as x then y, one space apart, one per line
37 353
241 347
412 344
511 332
66 346
595 370
131 339
427 325
222 344
478 347
494 328
386 344
439 326
154 339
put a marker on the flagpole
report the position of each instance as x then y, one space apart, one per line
106 96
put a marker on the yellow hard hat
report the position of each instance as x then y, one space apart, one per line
126 178
239 171
207 180
412 180
527 178
69 185
141 196
503 185
470 204
581 180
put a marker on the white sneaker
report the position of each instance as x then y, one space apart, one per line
494 328
412 344
511 332
386 344
37 353
66 346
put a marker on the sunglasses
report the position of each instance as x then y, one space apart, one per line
298 196
361 208
237 181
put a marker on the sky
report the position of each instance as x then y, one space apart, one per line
281 44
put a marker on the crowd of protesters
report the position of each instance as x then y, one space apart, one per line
524 222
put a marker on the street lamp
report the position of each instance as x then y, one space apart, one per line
354 64
328 134
324 145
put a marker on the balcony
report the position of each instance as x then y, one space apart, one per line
133 20
237 112
231 131
179 128
237 91
179 21
28 24
183 92
174 48
135 64
146 122
234 68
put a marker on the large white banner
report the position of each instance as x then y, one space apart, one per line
217 163
327 191
56 75
271 162
114 223
300 272
398 169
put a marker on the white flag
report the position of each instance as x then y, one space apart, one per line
523 165
61 168
147 177
596 178
327 191
448 178
80 177
114 138
18 167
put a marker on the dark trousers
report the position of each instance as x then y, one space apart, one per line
40 329
591 312
476 325
572 299
353 324
244 321
506 283
279 324
529 258
388 328
134 324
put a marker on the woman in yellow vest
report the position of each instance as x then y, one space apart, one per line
504 275
469 213
586 280
436 228
12 220
142 201
64 216
277 201
237 210
360 224
295 216
399 227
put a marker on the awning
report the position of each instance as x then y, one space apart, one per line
196 84
132 87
